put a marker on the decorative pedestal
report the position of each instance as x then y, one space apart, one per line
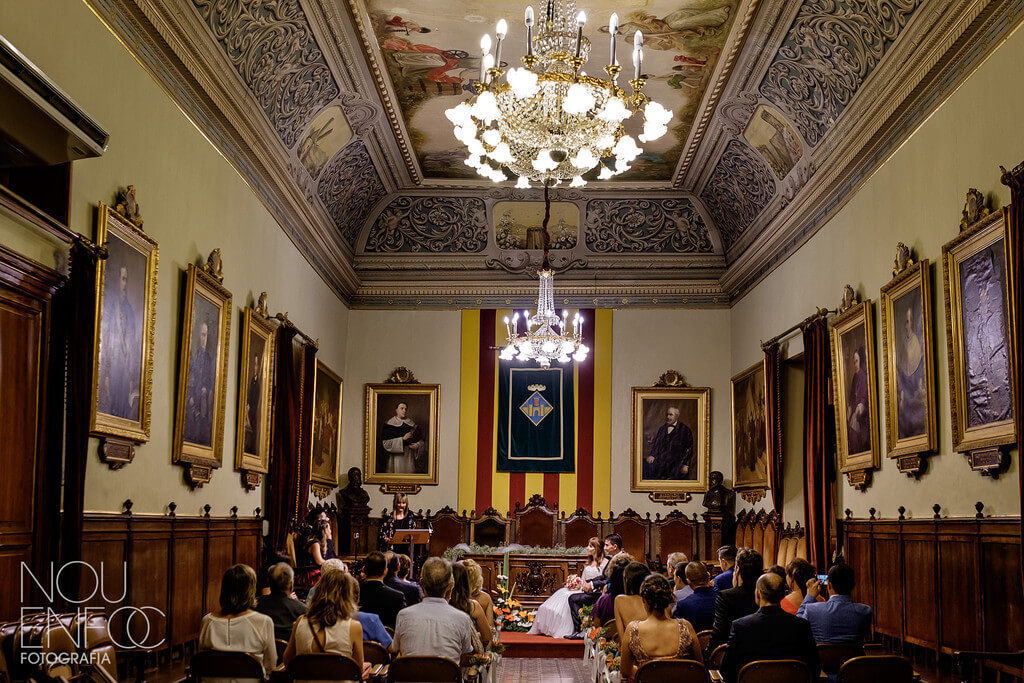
354 529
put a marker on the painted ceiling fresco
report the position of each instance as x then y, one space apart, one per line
432 56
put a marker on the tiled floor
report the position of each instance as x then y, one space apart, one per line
543 671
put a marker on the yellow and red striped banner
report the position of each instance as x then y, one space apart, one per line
480 484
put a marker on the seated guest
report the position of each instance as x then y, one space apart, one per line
799 573
656 636
698 608
768 633
839 619
738 601
330 626
319 542
476 589
279 604
373 627
460 600
236 626
778 570
375 597
593 588
433 628
405 571
630 606
603 613
410 593
676 564
726 560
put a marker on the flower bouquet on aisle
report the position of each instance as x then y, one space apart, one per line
509 612
477 669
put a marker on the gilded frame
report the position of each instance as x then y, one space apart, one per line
252 465
109 224
702 439
374 392
201 460
319 483
914 277
755 484
856 466
985 233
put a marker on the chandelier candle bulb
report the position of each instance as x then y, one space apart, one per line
499 32
529 31
613 26
581 20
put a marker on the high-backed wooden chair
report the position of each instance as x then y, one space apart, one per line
424 670
535 524
675 670
231 665
704 639
448 529
489 528
775 671
323 667
635 532
891 669
769 538
375 653
675 534
833 655
578 528
716 657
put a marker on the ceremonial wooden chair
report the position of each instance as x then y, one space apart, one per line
535 524
891 669
448 529
424 670
833 655
489 528
230 665
674 670
635 533
323 667
675 534
775 671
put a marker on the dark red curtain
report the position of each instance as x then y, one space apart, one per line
287 482
773 421
819 443
1015 253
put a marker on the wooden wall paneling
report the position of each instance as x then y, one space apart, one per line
105 547
248 535
220 555
920 571
889 568
149 582
960 627
1002 592
859 555
187 580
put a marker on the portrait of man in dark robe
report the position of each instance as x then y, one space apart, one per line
668 450
253 392
202 372
986 345
121 330
858 405
401 439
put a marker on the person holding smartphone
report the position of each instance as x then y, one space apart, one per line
839 619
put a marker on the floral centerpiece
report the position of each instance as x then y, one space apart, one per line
509 612
610 648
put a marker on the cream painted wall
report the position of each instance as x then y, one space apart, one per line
192 201
915 197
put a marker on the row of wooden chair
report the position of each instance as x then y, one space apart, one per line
862 669
213 664
73 646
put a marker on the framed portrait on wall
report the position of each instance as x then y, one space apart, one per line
202 372
671 439
749 431
122 392
400 432
255 389
326 440
978 337
908 365
856 401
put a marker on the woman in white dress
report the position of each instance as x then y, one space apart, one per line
553 617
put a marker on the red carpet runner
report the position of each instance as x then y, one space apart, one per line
521 645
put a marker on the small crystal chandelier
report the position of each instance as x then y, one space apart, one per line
545 336
549 121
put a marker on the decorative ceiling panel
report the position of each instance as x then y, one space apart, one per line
431 56
438 225
740 187
664 226
349 187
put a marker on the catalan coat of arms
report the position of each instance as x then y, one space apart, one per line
536 407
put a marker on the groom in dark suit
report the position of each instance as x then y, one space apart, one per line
592 590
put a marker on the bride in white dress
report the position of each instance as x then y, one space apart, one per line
553 617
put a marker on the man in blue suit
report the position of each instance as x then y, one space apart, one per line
839 619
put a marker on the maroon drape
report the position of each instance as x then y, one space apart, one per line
305 450
1015 263
819 437
773 422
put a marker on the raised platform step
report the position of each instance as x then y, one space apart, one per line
524 645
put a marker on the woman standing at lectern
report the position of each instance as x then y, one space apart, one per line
398 518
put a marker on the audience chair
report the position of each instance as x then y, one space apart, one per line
875 650
775 671
834 655
674 670
424 670
390 631
703 638
281 646
715 658
891 669
375 653
56 640
323 667
232 665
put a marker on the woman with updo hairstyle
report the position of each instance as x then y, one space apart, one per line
629 606
798 573
657 636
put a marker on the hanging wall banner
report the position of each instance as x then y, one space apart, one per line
536 418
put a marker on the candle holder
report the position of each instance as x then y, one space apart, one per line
495 73
613 71
577 64
530 61
479 86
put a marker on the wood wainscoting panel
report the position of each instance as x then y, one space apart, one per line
220 555
149 581
920 570
889 563
187 578
961 601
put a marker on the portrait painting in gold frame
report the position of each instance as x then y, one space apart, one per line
122 392
908 366
202 374
671 439
255 393
401 433
326 439
749 430
981 376
854 382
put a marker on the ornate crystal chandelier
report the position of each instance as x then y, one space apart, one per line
550 121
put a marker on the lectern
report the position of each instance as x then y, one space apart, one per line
412 538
